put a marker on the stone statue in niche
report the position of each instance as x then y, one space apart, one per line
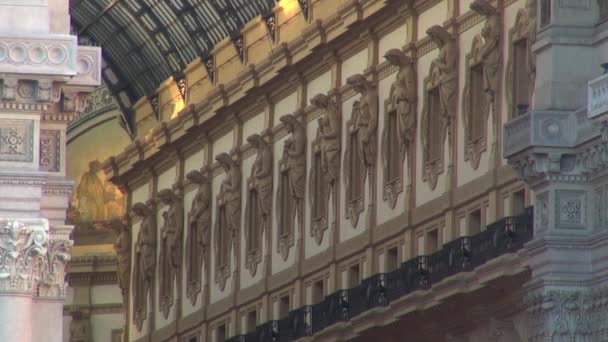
365 116
490 52
330 128
259 201
122 246
170 247
144 260
294 152
199 234
228 218
80 327
531 39
403 96
445 64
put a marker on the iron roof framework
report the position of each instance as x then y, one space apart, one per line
147 41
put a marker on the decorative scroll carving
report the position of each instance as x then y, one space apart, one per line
80 327
144 262
521 65
171 237
440 104
50 150
481 83
199 232
228 217
360 153
325 168
292 184
399 125
122 247
52 281
259 202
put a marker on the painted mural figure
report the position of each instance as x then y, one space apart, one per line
365 114
330 128
91 194
262 175
294 151
403 96
170 249
144 261
199 233
122 246
446 65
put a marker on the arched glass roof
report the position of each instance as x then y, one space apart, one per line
146 41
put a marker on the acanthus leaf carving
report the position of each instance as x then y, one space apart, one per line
199 234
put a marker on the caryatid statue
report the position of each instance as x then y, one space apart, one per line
490 51
446 66
261 173
330 128
294 151
230 190
531 39
144 260
171 234
122 247
365 115
403 96
199 234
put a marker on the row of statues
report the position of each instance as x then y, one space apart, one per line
291 189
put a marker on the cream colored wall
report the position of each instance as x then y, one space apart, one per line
103 324
194 161
395 39
245 276
465 172
224 144
105 294
435 15
319 85
254 125
356 64
278 264
286 105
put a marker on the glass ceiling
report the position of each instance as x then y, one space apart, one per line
146 41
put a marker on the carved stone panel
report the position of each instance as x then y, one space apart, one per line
318 193
50 150
292 184
144 261
399 125
227 218
122 247
171 237
16 140
199 234
259 202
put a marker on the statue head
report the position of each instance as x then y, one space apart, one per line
358 82
95 166
197 177
439 35
397 57
140 209
255 140
320 101
225 161
166 196
290 122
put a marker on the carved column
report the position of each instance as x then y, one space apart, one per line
45 78
567 287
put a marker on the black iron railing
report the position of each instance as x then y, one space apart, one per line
420 273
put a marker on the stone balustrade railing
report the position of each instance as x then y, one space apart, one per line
598 97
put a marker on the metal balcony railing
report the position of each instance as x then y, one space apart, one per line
505 236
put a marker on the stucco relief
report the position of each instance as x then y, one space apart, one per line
292 184
360 153
399 125
122 247
481 83
259 202
228 217
439 106
50 150
325 168
199 234
16 140
144 261
170 257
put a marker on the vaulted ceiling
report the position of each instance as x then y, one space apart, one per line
144 42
